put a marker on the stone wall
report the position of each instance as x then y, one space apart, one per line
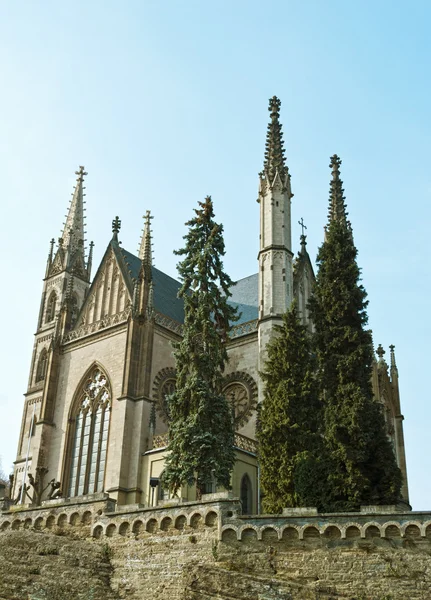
200 551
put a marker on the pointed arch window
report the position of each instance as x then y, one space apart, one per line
41 366
246 495
90 435
50 307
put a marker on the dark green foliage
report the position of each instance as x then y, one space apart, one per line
289 416
201 427
362 466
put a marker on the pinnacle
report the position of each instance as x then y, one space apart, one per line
337 207
274 148
145 252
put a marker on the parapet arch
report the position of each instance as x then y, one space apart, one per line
273 528
388 524
405 526
230 528
368 525
250 527
347 526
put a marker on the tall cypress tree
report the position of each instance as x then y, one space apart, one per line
201 428
289 417
362 467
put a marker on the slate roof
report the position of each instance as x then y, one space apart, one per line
245 297
244 292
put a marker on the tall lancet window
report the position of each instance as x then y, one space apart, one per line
50 308
90 435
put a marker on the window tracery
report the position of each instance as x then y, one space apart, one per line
240 390
164 386
90 435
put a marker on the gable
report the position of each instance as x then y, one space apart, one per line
109 293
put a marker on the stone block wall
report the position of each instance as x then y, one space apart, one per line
209 550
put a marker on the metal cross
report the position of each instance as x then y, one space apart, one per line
116 225
301 222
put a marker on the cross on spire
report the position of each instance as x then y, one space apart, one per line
301 222
81 173
116 225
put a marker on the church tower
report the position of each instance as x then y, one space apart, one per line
65 286
275 248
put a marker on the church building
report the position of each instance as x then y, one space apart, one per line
95 419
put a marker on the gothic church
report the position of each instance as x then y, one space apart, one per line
95 419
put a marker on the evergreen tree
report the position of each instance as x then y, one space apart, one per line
362 467
289 417
201 428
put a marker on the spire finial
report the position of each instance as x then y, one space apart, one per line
337 207
274 152
116 226
380 352
81 174
145 252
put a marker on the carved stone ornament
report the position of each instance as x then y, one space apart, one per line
163 386
241 391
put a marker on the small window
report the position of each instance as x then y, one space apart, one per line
50 308
41 366
246 495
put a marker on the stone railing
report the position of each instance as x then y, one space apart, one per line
160 441
243 329
240 441
168 323
97 326
244 443
236 331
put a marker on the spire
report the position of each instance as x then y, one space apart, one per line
274 152
73 232
50 255
394 368
337 207
145 251
90 260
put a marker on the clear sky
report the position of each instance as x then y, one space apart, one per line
165 102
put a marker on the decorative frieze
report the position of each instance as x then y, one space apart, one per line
105 323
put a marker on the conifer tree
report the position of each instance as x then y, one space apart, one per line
362 467
289 416
201 427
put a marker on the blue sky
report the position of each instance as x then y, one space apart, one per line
167 102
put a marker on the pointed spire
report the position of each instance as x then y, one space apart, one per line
90 260
145 251
337 207
274 152
73 232
116 226
50 255
394 368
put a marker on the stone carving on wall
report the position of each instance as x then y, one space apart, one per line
163 386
